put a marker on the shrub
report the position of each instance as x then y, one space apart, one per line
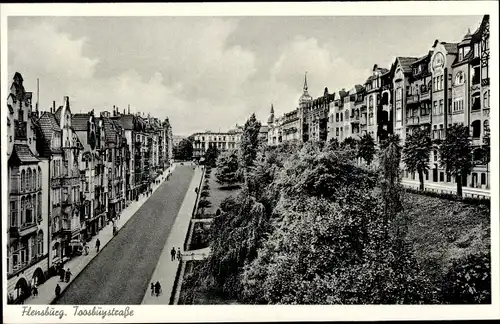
206 187
204 194
452 197
468 281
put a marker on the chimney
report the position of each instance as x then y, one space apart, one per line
53 109
124 111
129 109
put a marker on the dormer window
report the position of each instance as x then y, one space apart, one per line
459 78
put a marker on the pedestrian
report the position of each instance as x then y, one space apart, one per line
61 274
35 291
172 254
68 275
179 254
58 290
152 289
157 288
97 245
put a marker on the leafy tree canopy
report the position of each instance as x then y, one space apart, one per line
227 168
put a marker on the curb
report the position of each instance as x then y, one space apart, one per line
92 260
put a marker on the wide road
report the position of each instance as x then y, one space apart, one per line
120 273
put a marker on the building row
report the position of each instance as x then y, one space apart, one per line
69 174
222 141
449 84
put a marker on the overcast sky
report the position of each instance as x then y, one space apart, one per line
210 73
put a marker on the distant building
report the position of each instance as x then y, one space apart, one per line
176 139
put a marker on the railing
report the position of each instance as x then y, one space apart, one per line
425 119
485 82
425 95
412 120
20 130
27 228
411 99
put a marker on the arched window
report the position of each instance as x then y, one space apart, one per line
485 100
486 126
39 205
23 179
476 129
35 180
23 208
459 78
28 179
40 243
39 178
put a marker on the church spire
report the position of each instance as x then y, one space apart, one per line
305 82
272 109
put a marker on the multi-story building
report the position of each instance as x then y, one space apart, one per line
378 101
27 233
223 141
115 165
315 115
177 139
68 226
93 211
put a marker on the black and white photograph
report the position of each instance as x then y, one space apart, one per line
194 154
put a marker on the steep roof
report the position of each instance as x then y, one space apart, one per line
127 121
451 48
57 114
79 121
21 154
48 126
109 130
406 62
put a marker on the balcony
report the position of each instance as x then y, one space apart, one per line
28 228
425 119
411 99
425 96
410 121
20 130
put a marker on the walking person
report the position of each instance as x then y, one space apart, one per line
35 291
179 254
172 254
61 274
157 288
97 245
152 289
58 290
68 275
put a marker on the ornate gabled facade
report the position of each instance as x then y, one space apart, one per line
27 231
93 211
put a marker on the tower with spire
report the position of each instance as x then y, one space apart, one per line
270 121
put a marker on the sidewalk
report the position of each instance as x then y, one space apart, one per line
166 269
46 291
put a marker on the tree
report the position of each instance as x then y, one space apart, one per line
350 142
416 153
204 204
211 156
184 150
390 157
366 148
249 142
227 168
455 153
